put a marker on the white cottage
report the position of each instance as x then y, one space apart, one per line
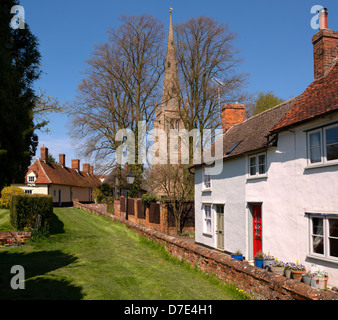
278 189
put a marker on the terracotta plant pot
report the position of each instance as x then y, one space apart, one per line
297 274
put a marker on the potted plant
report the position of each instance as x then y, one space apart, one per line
267 260
320 278
288 269
259 259
237 255
297 270
277 267
307 277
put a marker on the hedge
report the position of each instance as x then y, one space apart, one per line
31 211
6 195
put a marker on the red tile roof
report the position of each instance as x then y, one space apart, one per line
319 98
51 173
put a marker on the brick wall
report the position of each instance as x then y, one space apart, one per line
258 283
14 237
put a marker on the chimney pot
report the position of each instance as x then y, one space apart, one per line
323 19
76 164
62 159
44 154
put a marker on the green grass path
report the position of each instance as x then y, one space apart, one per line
91 257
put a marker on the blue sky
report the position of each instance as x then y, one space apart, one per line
274 41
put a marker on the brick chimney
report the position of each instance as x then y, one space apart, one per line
325 45
62 159
76 164
86 167
232 113
91 170
44 154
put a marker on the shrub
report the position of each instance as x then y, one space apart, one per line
31 211
6 196
148 198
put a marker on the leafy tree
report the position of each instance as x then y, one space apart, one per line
265 101
20 67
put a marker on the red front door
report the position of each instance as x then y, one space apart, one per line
257 228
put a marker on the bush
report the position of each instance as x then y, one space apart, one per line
6 196
148 198
31 211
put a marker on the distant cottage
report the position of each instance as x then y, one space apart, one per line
62 183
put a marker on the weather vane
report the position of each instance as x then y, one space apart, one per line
171 10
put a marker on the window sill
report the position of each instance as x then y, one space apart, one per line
260 176
321 165
206 190
310 256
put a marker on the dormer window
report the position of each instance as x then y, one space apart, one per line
31 179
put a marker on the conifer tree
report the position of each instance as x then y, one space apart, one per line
19 68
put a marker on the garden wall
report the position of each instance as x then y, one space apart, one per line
258 283
158 216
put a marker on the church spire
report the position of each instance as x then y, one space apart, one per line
170 97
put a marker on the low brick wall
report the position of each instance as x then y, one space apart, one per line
258 283
14 237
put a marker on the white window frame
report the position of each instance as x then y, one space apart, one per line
256 157
323 147
326 237
206 186
31 179
207 219
28 191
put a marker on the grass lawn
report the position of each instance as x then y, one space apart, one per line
90 257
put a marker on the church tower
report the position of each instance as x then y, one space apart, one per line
168 113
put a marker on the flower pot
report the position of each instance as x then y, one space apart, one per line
237 256
321 283
259 262
297 274
307 279
266 263
278 270
288 273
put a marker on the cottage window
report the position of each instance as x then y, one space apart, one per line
206 179
28 191
31 179
207 218
323 145
324 236
257 165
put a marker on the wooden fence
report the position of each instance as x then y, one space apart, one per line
158 216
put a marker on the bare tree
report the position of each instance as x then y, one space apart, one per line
44 106
176 185
207 63
121 87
